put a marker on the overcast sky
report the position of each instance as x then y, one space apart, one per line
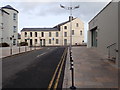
34 13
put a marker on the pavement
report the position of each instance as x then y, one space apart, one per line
5 51
91 70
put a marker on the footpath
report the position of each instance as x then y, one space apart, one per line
6 51
91 70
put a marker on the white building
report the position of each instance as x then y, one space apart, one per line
103 31
57 36
8 25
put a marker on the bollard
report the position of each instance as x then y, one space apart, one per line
10 50
25 48
19 49
30 48
72 71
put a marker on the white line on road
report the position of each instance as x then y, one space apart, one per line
48 48
41 54
45 52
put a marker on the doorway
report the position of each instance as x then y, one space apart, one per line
30 42
94 38
40 42
65 42
43 42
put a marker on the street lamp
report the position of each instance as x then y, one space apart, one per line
70 8
70 48
39 40
1 40
11 38
29 42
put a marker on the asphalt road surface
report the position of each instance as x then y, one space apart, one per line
34 69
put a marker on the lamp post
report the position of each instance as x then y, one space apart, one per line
53 41
11 38
40 41
1 42
29 42
70 8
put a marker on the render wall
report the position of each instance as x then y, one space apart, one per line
107 22
8 24
0 25
76 38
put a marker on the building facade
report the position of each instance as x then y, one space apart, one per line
8 25
59 35
103 32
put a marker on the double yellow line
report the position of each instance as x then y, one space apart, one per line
59 73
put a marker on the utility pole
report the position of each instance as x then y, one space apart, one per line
70 47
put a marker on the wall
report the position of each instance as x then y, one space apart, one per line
107 22
76 38
8 24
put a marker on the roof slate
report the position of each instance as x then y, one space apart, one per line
40 29
9 7
63 23
55 28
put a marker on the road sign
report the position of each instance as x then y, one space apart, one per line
52 38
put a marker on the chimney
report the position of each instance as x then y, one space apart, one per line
70 18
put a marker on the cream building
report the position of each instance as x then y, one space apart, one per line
8 25
103 31
57 36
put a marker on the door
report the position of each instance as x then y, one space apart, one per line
43 42
94 38
30 42
65 42
40 42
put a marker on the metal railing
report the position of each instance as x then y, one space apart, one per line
112 52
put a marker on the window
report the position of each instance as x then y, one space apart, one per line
14 41
57 41
72 32
14 29
50 34
42 34
65 34
65 41
25 40
80 32
30 34
65 27
49 41
2 25
35 41
57 34
14 16
35 34
77 25
25 34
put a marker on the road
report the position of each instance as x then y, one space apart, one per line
35 69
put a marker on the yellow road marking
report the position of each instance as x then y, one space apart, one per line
58 77
51 82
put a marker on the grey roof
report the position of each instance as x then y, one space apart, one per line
4 11
40 29
57 26
9 7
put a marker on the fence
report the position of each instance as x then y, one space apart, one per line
112 52
7 51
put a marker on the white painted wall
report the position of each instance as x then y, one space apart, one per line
76 38
8 24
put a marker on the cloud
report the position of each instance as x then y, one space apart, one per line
53 8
